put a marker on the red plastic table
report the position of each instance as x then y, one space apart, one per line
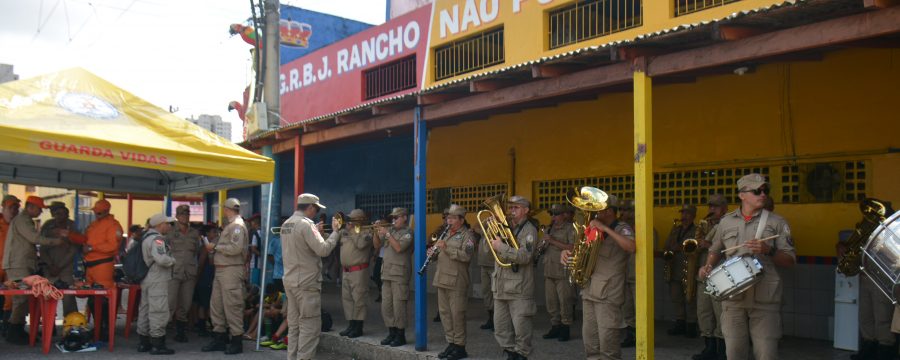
34 315
134 293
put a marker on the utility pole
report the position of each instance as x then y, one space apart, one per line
272 43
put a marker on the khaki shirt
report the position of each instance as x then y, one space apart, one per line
62 256
397 266
302 249
710 235
20 241
231 249
355 248
507 284
158 257
677 236
453 261
732 231
184 246
607 284
564 233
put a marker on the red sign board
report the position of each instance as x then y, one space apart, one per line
331 79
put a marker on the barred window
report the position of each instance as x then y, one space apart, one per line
684 7
469 54
381 204
590 19
390 78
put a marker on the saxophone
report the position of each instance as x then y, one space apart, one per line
691 249
587 242
874 212
669 257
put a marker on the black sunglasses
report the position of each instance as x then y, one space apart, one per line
757 192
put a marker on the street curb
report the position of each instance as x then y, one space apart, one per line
368 348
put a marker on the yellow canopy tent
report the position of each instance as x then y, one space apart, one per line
72 129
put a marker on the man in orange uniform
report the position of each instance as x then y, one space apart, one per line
103 239
11 206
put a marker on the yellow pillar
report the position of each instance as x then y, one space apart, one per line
101 195
223 195
643 205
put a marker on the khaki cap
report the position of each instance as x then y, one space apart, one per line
519 200
399 211
233 204
717 200
557 209
751 181
689 208
308 198
357 215
456 210
612 201
160 218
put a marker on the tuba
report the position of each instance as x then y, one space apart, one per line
874 212
691 250
669 257
494 226
589 200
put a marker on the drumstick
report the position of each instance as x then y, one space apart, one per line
742 245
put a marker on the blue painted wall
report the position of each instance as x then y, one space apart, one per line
337 172
326 29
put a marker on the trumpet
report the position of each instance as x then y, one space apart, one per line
435 250
358 228
494 226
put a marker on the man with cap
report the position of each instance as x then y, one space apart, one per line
355 250
685 312
185 245
434 235
303 249
10 206
709 311
513 286
755 313
559 293
451 279
486 269
60 259
395 274
20 260
227 303
626 215
103 241
603 296
153 314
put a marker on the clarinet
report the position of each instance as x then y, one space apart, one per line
434 253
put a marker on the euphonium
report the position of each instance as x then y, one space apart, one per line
589 200
873 211
494 226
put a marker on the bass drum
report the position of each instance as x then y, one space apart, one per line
881 260
733 277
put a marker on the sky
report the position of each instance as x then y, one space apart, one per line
174 53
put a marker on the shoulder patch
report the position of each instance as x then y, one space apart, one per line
407 236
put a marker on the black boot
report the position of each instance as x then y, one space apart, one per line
458 352
15 334
489 325
553 333
158 346
180 331
437 317
399 339
357 329
347 330
867 350
709 350
563 333
720 349
630 338
235 346
885 352
510 355
217 343
679 329
692 331
201 328
145 344
443 354
391 335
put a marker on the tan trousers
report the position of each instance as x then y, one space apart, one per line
394 296
875 313
628 306
19 303
560 296
181 294
452 307
226 308
304 322
709 312
486 294
684 310
740 325
513 321
354 291
153 314
602 330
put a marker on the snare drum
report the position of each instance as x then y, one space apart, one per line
881 259
733 277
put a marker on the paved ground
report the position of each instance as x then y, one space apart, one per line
481 342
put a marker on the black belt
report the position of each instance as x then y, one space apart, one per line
88 264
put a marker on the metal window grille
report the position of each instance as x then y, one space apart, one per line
468 196
824 182
377 205
683 7
591 19
549 192
469 54
695 186
390 78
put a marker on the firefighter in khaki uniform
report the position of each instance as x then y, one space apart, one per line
153 315
513 286
558 292
227 303
10 206
60 259
185 244
303 248
355 251
395 275
685 311
452 281
709 311
603 296
20 260
755 313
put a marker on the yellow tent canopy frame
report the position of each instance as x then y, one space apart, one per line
72 129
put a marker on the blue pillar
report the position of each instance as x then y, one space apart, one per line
421 140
